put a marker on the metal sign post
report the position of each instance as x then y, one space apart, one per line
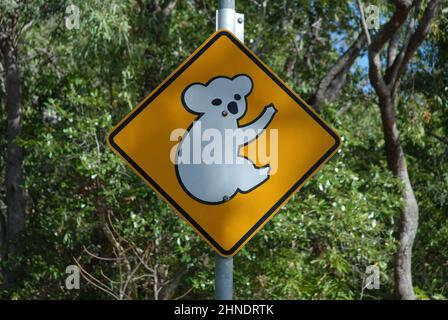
223 277
226 18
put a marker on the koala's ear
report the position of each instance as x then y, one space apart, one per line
244 84
193 98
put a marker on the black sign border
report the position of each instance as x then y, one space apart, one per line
154 95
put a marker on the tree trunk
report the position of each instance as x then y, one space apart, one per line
290 66
409 215
386 88
15 201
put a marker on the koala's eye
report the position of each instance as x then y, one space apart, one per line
216 102
237 97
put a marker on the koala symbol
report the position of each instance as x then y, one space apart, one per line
220 104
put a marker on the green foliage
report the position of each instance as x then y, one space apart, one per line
78 83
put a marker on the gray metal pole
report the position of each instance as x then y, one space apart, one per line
226 15
224 265
223 277
226 4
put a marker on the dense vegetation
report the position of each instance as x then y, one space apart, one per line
84 206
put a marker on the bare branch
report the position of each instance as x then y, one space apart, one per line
344 109
98 257
392 50
129 279
24 29
183 295
363 22
95 282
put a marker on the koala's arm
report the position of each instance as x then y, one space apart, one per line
252 130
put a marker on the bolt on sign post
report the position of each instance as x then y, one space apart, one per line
224 141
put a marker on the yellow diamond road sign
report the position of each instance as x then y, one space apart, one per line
224 141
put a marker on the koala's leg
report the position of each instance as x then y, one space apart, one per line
247 176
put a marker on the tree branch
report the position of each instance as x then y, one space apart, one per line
363 22
389 30
394 59
415 40
333 81
169 8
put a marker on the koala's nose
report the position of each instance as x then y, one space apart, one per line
232 107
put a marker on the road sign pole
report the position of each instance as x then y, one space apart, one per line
226 18
223 277
226 15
